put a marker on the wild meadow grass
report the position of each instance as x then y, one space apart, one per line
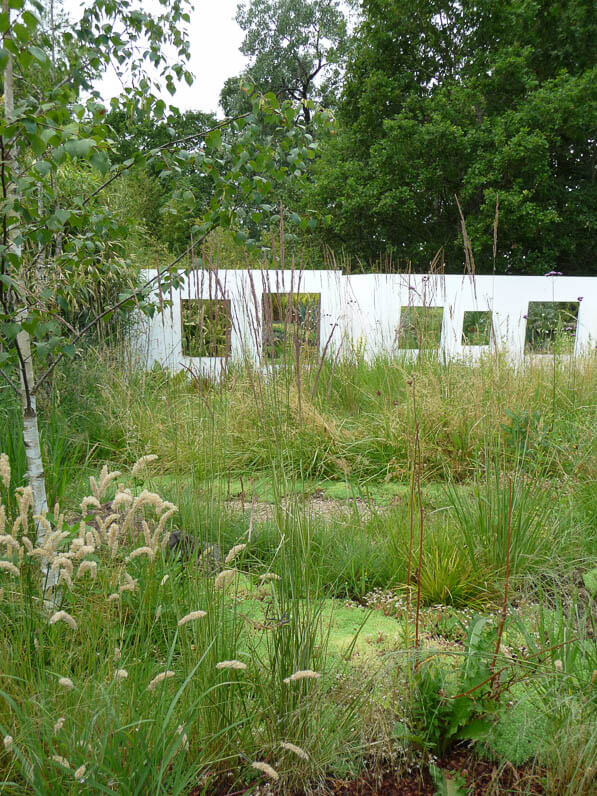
150 673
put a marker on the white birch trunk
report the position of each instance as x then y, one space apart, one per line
35 469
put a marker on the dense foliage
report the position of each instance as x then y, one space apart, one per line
483 101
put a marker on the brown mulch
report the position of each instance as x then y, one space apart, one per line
474 777
482 778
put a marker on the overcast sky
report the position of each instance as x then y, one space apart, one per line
215 38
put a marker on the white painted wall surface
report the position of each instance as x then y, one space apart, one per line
364 311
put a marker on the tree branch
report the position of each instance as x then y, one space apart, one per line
133 295
163 147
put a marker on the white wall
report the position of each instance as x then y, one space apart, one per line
364 311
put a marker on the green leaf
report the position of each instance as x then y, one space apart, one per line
590 581
79 148
42 167
39 55
100 161
475 730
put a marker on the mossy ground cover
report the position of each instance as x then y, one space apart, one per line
445 599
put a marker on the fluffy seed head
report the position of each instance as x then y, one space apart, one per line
224 578
5 475
10 567
231 665
59 724
295 749
159 678
80 772
5 470
269 576
164 579
305 674
90 500
120 674
558 666
61 761
184 739
158 612
191 617
87 566
8 740
233 552
141 463
67 683
266 769
141 551
62 616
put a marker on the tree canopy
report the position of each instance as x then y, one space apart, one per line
296 50
488 104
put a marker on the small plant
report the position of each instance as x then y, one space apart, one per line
451 705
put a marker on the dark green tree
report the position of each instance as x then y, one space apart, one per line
297 50
491 102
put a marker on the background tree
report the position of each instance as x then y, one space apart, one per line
297 50
475 100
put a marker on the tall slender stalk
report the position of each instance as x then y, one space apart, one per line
417 473
506 584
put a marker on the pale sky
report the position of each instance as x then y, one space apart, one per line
215 38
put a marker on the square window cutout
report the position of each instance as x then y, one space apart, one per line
206 327
551 327
286 316
420 327
477 327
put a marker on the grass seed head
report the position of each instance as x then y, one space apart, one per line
184 739
80 772
63 616
59 724
295 749
142 463
266 769
87 566
8 741
67 683
120 674
159 678
304 674
62 761
191 617
231 665
8 566
224 578
5 472
233 552
164 579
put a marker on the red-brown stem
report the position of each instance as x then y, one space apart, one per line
411 531
506 583
417 464
297 354
322 360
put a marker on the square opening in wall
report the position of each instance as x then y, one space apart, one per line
551 327
476 327
288 317
420 327
206 327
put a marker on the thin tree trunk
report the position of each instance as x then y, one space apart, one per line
35 470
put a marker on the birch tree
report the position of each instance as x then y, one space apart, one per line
45 124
